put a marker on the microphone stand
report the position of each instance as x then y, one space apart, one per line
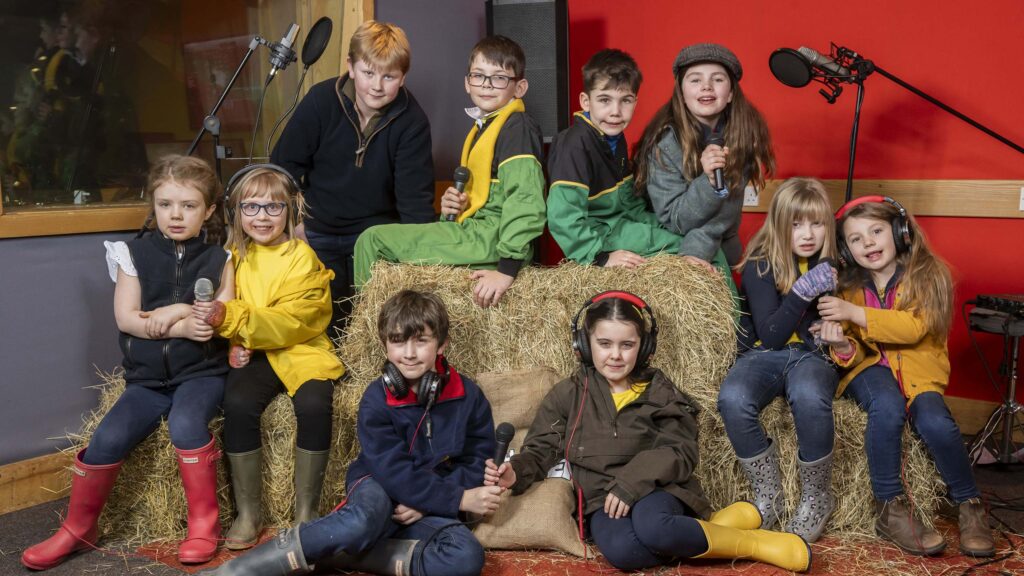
211 123
862 69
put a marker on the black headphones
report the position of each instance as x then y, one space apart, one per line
648 340
902 233
428 389
295 188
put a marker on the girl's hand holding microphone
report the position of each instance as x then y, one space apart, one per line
831 333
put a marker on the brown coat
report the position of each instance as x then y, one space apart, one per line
650 444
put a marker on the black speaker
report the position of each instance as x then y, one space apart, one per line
541 27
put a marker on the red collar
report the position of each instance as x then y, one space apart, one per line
453 389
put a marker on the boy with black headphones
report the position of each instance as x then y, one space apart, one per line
425 432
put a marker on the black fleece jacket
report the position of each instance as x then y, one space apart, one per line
352 182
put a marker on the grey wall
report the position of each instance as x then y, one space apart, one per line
57 322
441 34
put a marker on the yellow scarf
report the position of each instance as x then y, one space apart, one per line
479 157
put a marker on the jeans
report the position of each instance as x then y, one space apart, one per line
252 388
189 407
446 547
876 391
758 377
336 254
658 529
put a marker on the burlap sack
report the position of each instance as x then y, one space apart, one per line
541 517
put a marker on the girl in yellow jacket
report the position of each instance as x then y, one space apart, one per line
889 330
277 326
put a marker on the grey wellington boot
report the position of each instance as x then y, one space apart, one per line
390 557
816 499
763 472
279 556
247 485
309 481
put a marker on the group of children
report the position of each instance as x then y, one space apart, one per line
426 431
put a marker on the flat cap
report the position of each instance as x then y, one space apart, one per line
696 53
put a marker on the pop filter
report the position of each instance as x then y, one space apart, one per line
316 41
789 66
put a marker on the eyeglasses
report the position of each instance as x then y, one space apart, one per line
271 208
498 81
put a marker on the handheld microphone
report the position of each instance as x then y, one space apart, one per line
204 290
281 53
503 434
461 177
823 62
717 140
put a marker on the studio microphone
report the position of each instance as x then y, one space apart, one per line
717 140
823 62
461 177
503 434
204 290
281 53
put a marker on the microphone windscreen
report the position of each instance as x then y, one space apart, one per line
204 290
504 433
790 67
316 41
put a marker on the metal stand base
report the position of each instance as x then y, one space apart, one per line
1006 419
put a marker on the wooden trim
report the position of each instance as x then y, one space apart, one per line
64 220
34 481
965 198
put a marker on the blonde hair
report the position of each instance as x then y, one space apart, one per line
260 182
193 173
746 135
927 280
771 248
382 45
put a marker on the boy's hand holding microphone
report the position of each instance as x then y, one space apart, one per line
455 199
488 496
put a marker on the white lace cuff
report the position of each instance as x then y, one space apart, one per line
119 256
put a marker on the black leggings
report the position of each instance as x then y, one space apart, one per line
248 392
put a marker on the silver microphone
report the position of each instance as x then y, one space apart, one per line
204 290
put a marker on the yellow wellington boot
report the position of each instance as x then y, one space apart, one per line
741 515
787 551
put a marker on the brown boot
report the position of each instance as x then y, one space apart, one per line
897 524
975 534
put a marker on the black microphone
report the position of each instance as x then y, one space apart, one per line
503 434
204 290
281 53
461 178
717 140
823 62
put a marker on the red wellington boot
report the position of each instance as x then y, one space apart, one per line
199 477
90 486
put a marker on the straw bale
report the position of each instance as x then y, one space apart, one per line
528 328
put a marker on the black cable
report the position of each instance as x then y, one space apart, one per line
287 112
259 114
977 348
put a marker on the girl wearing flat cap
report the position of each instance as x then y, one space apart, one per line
707 124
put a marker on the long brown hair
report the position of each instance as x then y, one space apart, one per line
258 182
193 173
771 248
927 281
746 135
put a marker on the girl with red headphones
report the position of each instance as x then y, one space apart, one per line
629 437
889 328
277 327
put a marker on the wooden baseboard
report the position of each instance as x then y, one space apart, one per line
34 481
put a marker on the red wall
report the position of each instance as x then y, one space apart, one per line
965 54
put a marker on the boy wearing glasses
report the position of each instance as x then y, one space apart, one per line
492 224
360 146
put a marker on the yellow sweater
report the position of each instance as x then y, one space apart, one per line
283 308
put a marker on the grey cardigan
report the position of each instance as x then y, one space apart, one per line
691 208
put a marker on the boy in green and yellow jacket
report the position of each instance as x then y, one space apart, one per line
492 225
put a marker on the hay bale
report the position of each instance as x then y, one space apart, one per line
528 328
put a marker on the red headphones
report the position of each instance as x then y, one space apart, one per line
902 233
648 340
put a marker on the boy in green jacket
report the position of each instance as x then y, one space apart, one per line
490 226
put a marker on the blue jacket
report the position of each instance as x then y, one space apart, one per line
432 476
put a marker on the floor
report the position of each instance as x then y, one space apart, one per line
1003 487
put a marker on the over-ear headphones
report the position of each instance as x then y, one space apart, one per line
648 340
292 182
428 389
902 233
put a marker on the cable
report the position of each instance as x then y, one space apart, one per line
256 126
287 112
